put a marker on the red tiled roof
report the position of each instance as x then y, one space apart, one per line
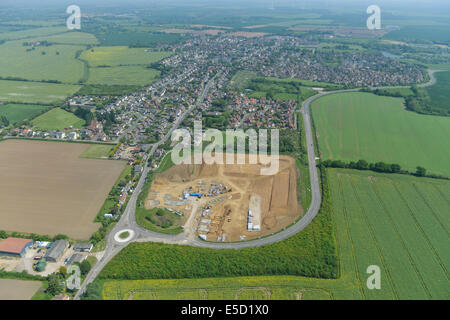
13 245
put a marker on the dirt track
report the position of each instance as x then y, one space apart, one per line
46 188
279 206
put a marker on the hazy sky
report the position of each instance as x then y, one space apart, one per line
437 6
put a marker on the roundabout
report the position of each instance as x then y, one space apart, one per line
124 235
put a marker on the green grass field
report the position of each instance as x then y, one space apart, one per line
353 126
241 79
439 93
72 37
438 34
125 75
115 56
16 113
397 222
35 92
55 62
97 151
57 119
35 32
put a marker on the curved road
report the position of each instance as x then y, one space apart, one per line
128 220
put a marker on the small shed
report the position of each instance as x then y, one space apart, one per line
83 247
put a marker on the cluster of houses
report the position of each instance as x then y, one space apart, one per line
262 113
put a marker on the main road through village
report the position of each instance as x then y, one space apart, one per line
138 234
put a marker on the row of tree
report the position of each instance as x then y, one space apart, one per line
377 167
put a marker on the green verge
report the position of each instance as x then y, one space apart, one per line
168 223
99 237
144 216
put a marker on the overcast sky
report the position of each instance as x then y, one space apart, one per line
437 6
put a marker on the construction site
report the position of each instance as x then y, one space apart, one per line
229 202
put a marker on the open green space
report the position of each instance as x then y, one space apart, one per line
354 126
439 93
35 92
159 220
97 151
438 34
40 63
399 223
29 33
273 88
120 55
242 78
57 119
73 37
124 75
16 113
107 90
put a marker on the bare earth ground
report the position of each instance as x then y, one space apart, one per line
46 188
18 289
279 204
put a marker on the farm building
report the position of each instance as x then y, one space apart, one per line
56 251
75 258
83 247
15 247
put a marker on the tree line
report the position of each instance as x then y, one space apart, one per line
379 167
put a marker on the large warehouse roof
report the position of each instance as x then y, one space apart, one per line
13 245
55 252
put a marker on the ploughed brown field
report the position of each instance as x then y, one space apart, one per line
46 188
279 206
18 289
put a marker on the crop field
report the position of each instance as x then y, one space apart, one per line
115 56
54 62
36 32
57 119
128 75
354 126
18 289
16 113
46 188
439 34
73 37
397 222
35 92
439 93
255 288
